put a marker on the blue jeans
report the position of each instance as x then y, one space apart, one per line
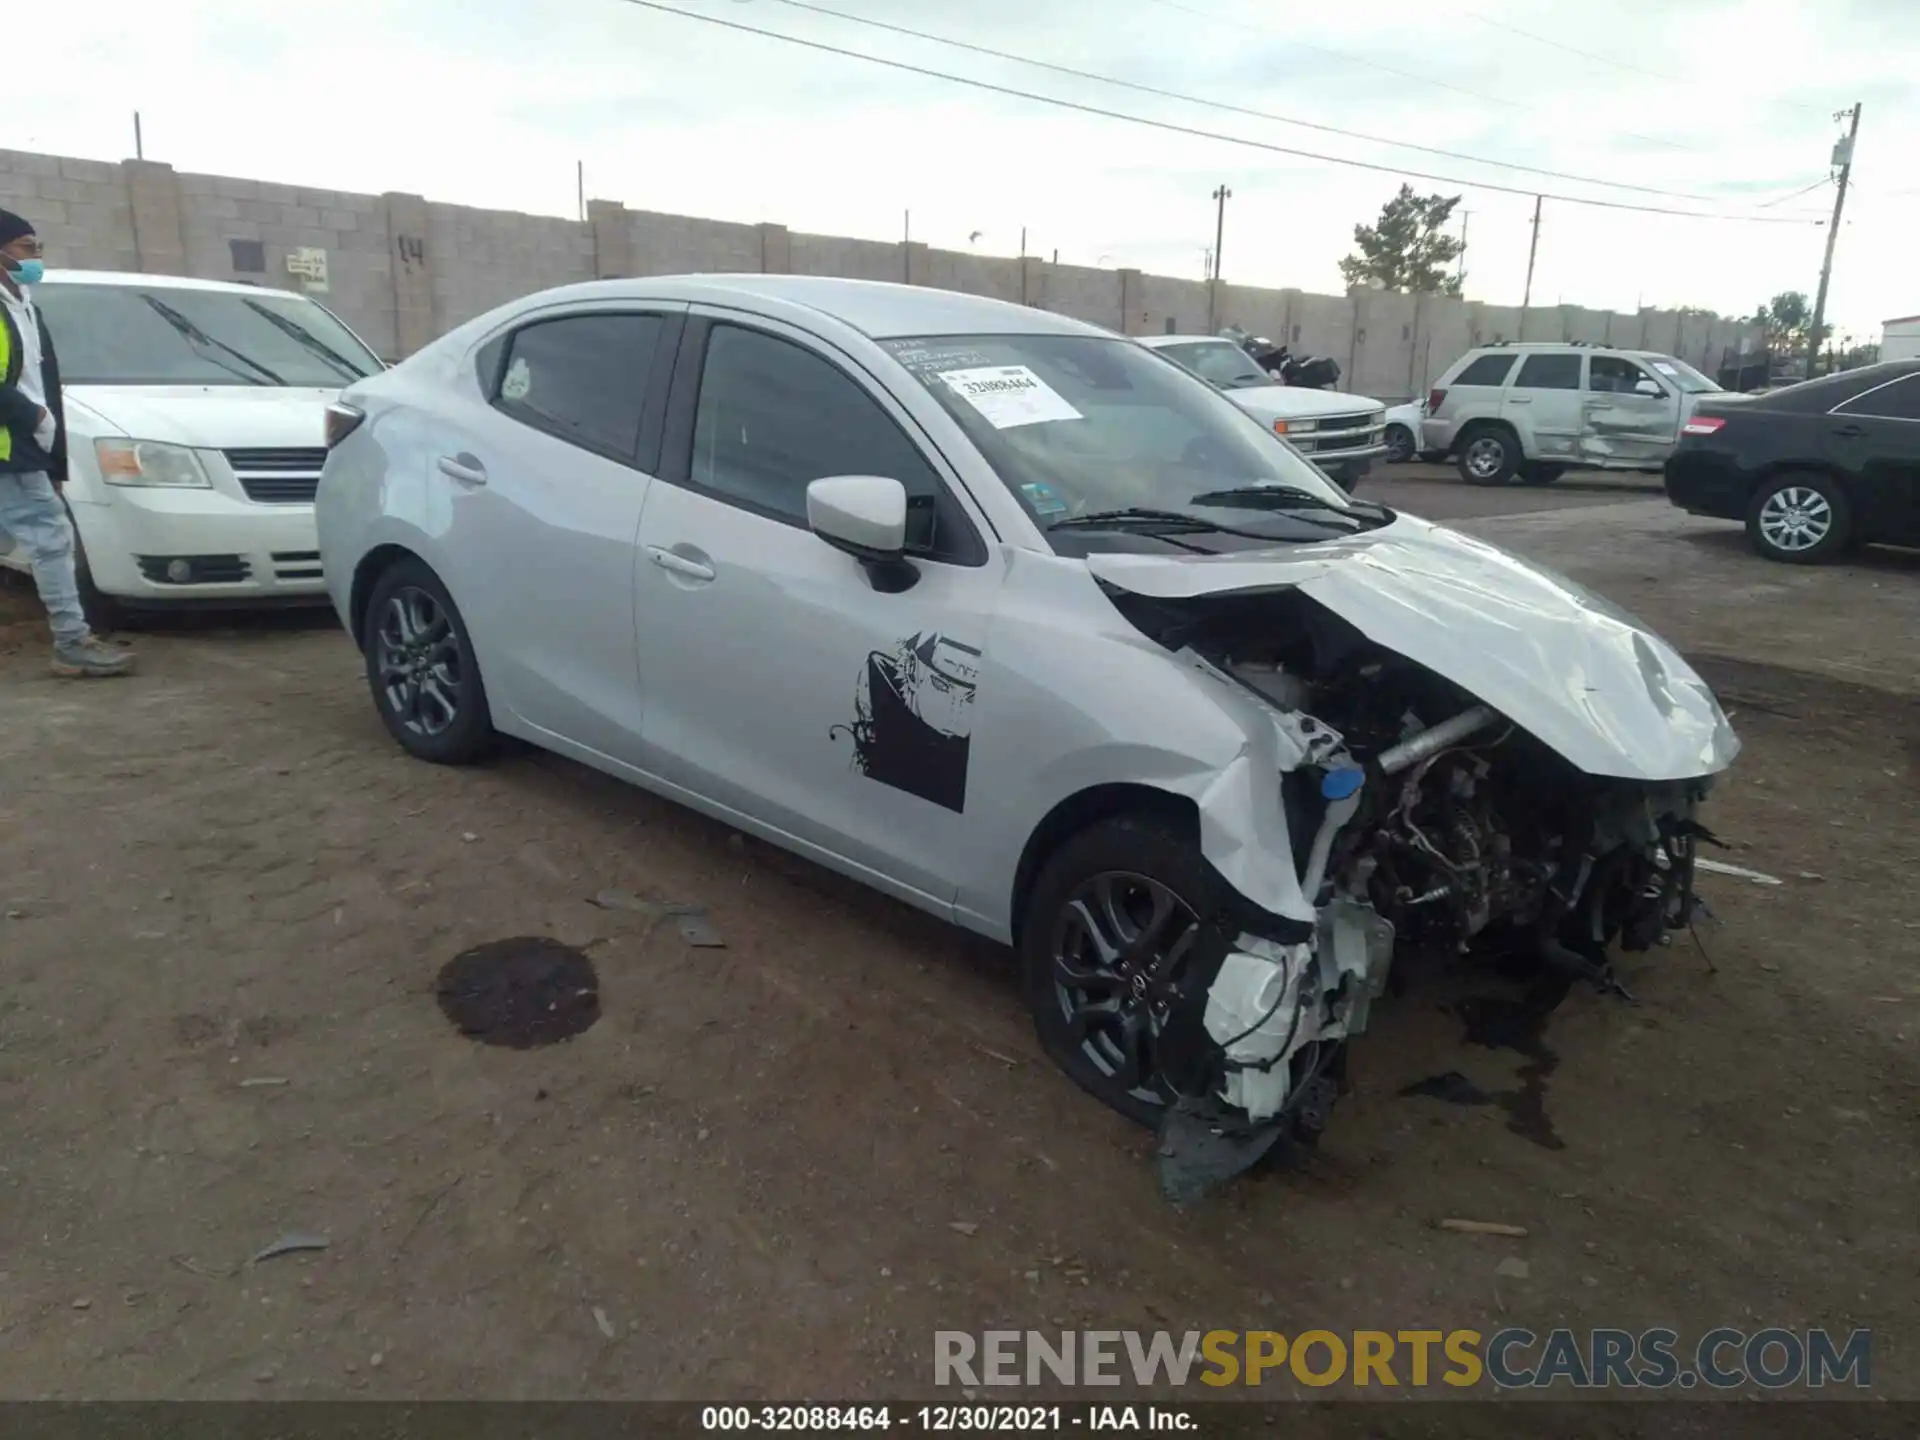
31 512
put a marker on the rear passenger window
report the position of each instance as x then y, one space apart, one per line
1898 401
582 379
1487 370
1550 372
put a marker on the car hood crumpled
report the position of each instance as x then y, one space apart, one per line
1577 672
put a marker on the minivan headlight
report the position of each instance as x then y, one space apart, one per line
150 462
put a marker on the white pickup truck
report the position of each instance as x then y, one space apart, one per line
1342 434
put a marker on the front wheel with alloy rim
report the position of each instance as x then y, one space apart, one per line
1400 445
1489 457
421 669
1107 950
1802 518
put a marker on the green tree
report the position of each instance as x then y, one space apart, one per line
1787 318
1408 247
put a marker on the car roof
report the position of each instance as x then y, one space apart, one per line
879 309
1151 341
159 282
1580 345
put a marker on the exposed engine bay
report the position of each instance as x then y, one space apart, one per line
1421 826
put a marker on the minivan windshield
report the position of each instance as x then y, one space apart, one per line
1091 433
1221 361
178 335
1678 372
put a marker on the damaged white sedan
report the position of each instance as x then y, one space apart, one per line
1021 623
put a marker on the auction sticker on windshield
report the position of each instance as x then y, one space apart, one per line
1009 395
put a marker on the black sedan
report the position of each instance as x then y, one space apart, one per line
1813 469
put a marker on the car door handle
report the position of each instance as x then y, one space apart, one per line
1848 432
1519 399
464 468
679 564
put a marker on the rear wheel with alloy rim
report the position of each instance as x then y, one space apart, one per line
421 669
1489 457
1802 518
1107 949
1400 445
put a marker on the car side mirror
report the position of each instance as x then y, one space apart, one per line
1647 387
866 516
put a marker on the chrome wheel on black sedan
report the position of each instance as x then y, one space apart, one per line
1802 518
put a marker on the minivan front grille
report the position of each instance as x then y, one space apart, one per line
283 476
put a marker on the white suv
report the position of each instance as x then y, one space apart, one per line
1537 411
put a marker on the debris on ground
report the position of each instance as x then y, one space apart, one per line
695 928
965 1227
606 1325
1511 1268
1484 1227
625 900
1738 872
256 1081
293 1242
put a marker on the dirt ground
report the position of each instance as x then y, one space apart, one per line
774 1169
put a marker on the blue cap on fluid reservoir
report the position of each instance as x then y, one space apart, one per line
1339 784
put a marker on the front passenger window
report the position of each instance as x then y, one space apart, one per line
773 417
1609 374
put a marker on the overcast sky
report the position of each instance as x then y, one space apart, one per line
491 102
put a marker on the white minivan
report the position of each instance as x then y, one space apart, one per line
196 428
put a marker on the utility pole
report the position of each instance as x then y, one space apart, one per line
580 184
139 145
1220 196
1843 155
1532 249
1460 271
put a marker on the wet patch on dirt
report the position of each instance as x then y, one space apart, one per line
520 993
1502 1023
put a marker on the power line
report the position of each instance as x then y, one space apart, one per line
1164 94
1605 59
1349 56
1194 130
1822 181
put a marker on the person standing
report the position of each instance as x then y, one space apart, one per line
33 458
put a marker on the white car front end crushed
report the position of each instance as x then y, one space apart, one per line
1431 805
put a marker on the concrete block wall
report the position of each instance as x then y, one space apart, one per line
402 269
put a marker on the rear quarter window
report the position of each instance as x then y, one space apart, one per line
1550 372
1486 370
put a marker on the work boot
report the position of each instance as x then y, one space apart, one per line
90 657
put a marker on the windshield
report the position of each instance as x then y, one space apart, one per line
1684 375
174 335
1220 361
1080 427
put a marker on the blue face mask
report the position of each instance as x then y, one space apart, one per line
28 272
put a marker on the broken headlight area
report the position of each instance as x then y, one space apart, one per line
1421 827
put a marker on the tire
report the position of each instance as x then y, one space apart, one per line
1401 446
104 613
1488 456
1136 858
421 669
1536 472
1800 518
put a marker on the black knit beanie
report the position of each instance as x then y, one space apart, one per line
12 227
